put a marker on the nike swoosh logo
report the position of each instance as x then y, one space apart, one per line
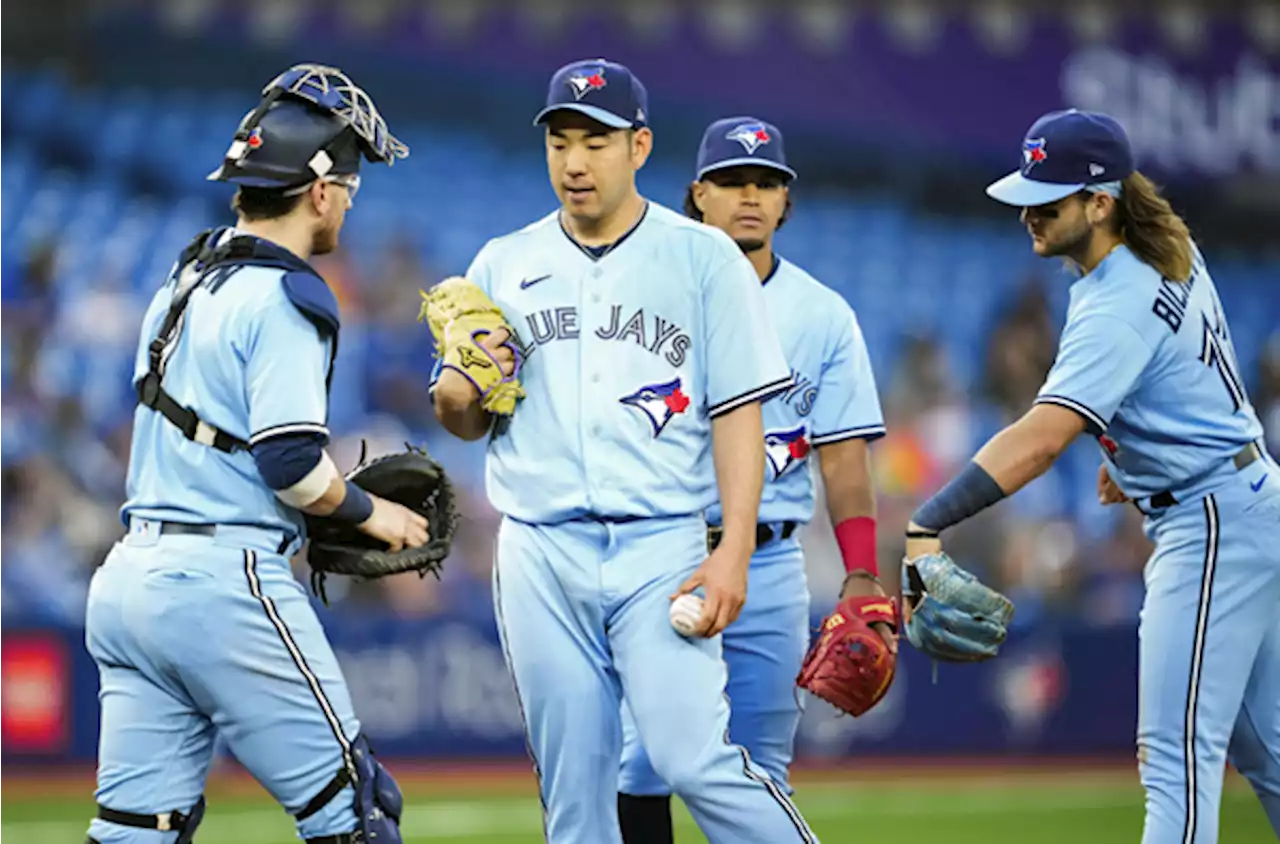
1255 487
530 282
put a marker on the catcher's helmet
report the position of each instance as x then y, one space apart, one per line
313 122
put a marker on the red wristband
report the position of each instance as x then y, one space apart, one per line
857 540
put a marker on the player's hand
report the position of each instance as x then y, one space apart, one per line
858 585
723 578
1108 492
921 546
396 525
493 343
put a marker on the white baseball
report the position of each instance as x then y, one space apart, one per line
685 613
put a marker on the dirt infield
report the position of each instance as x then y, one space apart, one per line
448 777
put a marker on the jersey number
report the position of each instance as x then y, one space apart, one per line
1216 351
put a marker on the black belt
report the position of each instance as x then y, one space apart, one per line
764 534
1244 457
185 529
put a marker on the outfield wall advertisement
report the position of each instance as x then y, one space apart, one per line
438 688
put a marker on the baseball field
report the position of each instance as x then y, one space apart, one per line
905 804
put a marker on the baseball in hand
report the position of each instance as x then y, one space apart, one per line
685 613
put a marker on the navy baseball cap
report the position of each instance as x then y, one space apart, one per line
1065 152
739 142
602 90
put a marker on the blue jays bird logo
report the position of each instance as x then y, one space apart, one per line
785 448
1033 152
584 83
752 136
659 403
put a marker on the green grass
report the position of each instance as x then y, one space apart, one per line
982 809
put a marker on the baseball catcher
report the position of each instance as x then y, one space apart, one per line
461 316
411 478
850 666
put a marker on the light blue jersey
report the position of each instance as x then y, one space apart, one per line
628 358
832 396
249 362
1150 365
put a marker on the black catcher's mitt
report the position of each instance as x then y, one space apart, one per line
410 478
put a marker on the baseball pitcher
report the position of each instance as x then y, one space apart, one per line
195 620
615 354
830 411
1146 366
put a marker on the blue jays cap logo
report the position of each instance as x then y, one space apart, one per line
584 83
659 403
1033 152
785 448
752 136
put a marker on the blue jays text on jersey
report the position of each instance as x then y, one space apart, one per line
832 396
1150 365
627 359
250 360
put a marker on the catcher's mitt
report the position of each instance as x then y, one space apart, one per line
459 314
850 666
410 478
950 615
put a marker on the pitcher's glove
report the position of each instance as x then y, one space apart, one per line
410 478
950 615
460 314
850 666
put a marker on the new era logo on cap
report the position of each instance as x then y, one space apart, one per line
1064 152
603 90
742 141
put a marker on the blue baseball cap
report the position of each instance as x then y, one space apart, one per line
742 142
602 90
1065 152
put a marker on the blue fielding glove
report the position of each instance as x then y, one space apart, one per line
950 615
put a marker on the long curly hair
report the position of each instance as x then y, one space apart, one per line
1152 229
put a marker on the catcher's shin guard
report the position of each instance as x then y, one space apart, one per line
378 802
183 823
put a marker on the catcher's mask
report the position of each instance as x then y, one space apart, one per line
313 122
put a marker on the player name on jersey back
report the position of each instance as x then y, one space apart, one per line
1150 365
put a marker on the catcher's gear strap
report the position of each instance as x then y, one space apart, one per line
175 821
214 251
378 801
330 791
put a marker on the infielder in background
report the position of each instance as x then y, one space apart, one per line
1146 365
195 619
644 350
831 410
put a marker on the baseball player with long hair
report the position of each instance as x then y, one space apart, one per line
643 349
1145 365
195 620
831 412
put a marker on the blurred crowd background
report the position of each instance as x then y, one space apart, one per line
895 114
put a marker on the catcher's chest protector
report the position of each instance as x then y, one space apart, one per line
208 261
